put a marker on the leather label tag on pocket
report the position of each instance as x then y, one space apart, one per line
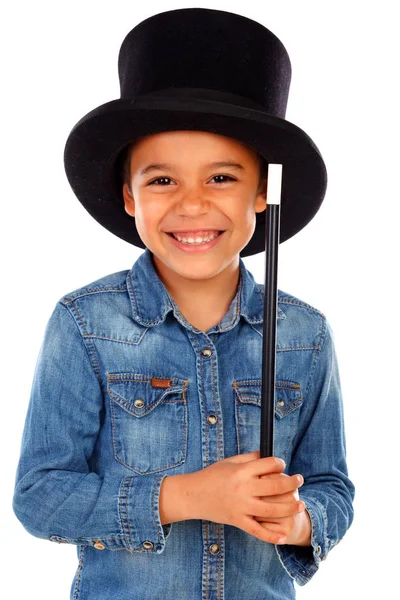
160 383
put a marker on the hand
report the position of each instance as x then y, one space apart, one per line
296 528
233 491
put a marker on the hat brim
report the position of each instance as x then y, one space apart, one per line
95 143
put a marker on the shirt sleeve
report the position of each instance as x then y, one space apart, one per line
320 456
58 495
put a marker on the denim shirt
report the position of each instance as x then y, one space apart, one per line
126 392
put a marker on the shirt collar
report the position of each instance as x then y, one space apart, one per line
151 301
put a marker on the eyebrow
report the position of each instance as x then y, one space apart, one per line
166 166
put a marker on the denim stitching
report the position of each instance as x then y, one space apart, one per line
208 558
123 514
154 504
54 538
67 299
104 337
79 572
301 304
239 402
219 536
114 430
238 438
122 401
199 372
89 346
142 321
216 411
325 531
129 484
133 377
316 356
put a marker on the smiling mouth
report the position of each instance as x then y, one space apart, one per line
194 236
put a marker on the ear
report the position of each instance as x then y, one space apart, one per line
128 200
261 199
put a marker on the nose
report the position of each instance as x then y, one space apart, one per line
193 202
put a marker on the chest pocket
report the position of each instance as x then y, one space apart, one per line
288 400
149 421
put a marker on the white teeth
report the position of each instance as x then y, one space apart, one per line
195 241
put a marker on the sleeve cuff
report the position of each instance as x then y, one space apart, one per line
302 562
139 514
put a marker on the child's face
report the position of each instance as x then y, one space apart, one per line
192 195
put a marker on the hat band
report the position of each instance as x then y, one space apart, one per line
205 94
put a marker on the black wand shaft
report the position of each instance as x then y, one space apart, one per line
272 228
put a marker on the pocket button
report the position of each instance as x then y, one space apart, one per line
139 402
98 545
148 545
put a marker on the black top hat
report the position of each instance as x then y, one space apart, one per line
197 69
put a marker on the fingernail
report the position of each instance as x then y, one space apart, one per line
300 479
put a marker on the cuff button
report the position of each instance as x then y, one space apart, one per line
148 545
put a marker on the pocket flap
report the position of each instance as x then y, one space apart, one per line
140 394
288 394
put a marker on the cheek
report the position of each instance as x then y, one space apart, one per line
147 214
247 217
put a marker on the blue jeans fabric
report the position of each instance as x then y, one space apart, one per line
121 396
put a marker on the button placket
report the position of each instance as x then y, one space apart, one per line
213 451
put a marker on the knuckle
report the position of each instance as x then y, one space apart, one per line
295 507
268 510
273 488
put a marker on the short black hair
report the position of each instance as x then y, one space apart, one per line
125 162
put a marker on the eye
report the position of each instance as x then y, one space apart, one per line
158 179
167 178
225 176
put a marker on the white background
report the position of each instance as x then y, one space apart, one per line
59 61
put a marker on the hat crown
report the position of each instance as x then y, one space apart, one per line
200 52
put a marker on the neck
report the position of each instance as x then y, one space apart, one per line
203 302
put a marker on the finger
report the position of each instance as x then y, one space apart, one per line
281 497
287 497
279 510
269 464
245 457
280 475
261 532
274 527
275 486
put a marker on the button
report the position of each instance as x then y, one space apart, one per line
214 548
206 352
139 402
148 545
319 550
98 545
281 403
212 419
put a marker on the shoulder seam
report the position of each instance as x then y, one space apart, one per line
296 302
68 298
92 359
301 304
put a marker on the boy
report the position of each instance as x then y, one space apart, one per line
140 443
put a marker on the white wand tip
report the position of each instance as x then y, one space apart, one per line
274 184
